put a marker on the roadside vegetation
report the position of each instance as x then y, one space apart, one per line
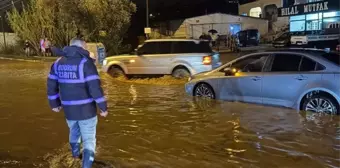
104 21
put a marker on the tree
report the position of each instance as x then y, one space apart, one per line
103 21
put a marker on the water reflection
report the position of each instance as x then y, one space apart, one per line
157 125
133 93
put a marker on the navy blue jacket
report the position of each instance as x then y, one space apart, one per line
74 84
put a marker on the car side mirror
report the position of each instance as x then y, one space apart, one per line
134 52
229 71
139 53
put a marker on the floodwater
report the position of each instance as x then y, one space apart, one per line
155 125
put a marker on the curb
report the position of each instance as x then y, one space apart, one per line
26 60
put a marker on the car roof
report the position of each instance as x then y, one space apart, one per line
315 54
312 51
249 30
162 40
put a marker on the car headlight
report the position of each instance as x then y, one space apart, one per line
104 62
189 79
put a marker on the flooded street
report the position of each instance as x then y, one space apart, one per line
154 124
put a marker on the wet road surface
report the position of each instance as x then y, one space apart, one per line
152 123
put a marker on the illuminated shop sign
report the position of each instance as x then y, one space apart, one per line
309 8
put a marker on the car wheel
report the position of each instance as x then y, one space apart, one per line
320 104
181 73
117 72
204 90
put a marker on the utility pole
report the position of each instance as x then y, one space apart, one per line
147 13
3 31
147 18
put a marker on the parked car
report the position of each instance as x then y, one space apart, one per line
303 79
282 41
248 37
299 40
177 57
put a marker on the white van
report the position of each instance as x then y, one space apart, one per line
299 40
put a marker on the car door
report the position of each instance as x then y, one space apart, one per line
246 84
141 64
309 77
283 80
153 58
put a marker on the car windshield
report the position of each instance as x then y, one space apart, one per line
253 32
332 57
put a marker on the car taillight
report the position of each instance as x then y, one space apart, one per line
207 60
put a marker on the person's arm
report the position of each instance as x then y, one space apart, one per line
57 51
53 89
94 85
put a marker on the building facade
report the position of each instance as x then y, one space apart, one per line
193 28
266 9
313 16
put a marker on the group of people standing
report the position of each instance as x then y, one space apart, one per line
45 47
211 37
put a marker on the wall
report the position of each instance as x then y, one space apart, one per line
245 8
11 38
222 22
173 28
251 23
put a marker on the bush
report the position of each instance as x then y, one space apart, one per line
12 49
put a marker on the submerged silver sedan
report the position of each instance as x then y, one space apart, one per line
303 79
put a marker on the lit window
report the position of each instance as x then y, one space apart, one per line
297 23
312 16
314 21
331 14
296 26
255 12
299 17
331 22
314 1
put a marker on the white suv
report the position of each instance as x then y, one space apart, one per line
177 57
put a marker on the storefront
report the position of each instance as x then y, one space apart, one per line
318 20
315 17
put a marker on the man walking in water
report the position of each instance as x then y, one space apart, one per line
74 85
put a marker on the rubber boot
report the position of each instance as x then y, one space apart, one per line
75 150
88 158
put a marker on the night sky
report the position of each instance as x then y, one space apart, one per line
162 10
174 9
